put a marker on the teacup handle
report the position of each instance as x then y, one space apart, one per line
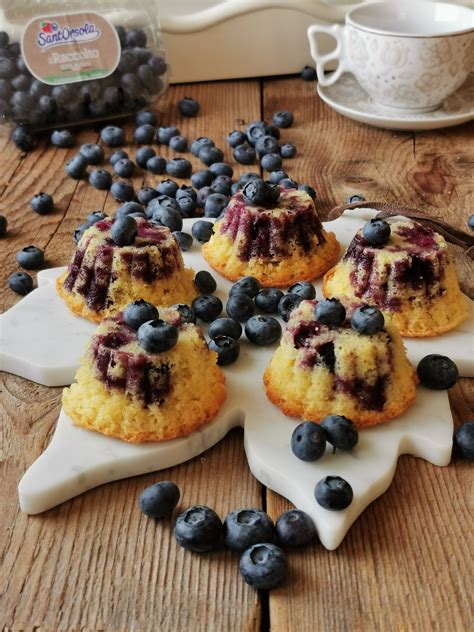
338 53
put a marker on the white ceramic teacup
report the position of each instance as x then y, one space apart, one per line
406 55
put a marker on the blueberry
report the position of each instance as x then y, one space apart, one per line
100 179
158 66
240 307
4 39
112 136
202 196
168 187
245 154
295 528
262 330
276 176
249 175
188 106
304 289
330 311
124 168
142 156
135 37
287 304
352 199
162 201
287 151
283 119
30 258
122 191
376 232
168 217
209 155
273 130
156 165
227 349
247 285
367 320
333 493
185 240
186 313
245 527
207 307
7 68
464 440
225 327
255 130
139 312
340 432
23 138
271 162
92 153
266 145
199 143
222 169
159 500
236 137
205 282
264 566
187 206
124 231
146 194
222 186
42 203
94 217
202 230
202 178
267 300
179 168
62 138
179 143
146 118
308 441
128 208
255 192
165 134
144 134
215 204
470 222
157 336
76 167
118 155
78 232
309 73
3 225
437 372
20 282
309 190
288 183
198 529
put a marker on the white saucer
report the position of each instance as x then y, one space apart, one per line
348 98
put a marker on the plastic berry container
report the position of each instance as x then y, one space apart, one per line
78 62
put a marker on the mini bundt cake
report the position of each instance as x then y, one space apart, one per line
103 276
323 369
409 277
278 242
139 387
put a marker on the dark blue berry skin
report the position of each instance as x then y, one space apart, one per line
165 134
62 138
245 527
304 289
352 199
124 231
247 285
168 217
207 307
340 432
227 349
94 217
202 231
76 167
255 130
333 493
42 203
202 195
437 372
240 307
124 168
262 330
100 179
122 191
295 528
205 282
255 192
186 313
209 155
330 312
276 176
178 143
185 191
288 183
245 154
119 154
367 320
112 136
266 145
222 185
271 162
267 300
142 156
249 175
470 222
162 201
308 441
376 232
20 282
157 336
92 153
179 168
185 240
144 134
146 118
225 327
236 137
3 225
273 130
187 206
287 304
146 195
263 566
30 258
464 440
129 208
78 232
198 529
309 73
23 138
156 165
135 38
159 500
203 178
199 143
188 107
139 312
287 151
215 204
168 187
222 169
283 119
309 190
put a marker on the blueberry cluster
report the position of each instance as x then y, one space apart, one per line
366 320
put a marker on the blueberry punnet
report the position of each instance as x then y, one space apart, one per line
227 349
376 232
165 134
186 312
304 289
283 119
199 143
124 231
263 566
240 307
308 441
333 493
330 312
30 258
209 155
112 136
367 320
188 107
139 312
157 336
202 230
3 225
100 179
247 285
262 330
20 282
245 527
340 432
244 154
295 528
464 440
267 300
156 165
198 529
207 307
179 168
309 73
205 282
225 327
287 151
437 372
287 304
62 138
122 191
236 137
42 203
159 500
92 153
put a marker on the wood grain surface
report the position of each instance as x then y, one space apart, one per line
96 563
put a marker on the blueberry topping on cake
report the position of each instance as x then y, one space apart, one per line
376 232
156 336
139 312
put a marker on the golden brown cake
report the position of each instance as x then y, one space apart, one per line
410 279
277 245
103 277
123 391
321 370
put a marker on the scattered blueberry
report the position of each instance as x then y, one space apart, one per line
168 217
464 440
122 191
168 187
207 307
222 185
245 527
202 230
257 129
185 191
94 217
367 320
23 138
20 282
247 285
283 119
202 195
112 136
3 225
437 372
266 144
244 154
124 168
179 168
287 151
333 493
262 330
276 176
309 73
188 106
92 153
187 206
470 222
308 441
227 349
236 137
288 183
139 312
159 500
205 282
307 188
100 179
267 300
263 566
209 155
42 203
165 134
304 289
144 134
199 143
30 258
146 118
202 178
157 336
160 202
76 167
145 194
142 156
129 208
287 304
62 138
185 240
225 327
271 162
295 528
330 312
222 169
118 155
124 230
240 307
249 175
214 205
352 199
376 232
156 165
340 432
186 313
179 143
198 529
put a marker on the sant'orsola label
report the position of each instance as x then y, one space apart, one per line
69 48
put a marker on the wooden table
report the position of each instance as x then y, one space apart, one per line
96 563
